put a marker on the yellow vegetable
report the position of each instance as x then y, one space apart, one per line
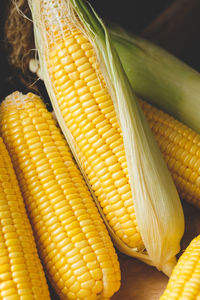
107 132
21 272
72 240
180 146
184 283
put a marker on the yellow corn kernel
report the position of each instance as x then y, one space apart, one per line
89 114
184 282
67 225
21 272
180 147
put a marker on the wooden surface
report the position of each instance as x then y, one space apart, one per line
139 281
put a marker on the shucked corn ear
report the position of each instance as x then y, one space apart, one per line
107 132
73 242
159 77
21 272
184 282
180 146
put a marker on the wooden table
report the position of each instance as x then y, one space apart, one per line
139 281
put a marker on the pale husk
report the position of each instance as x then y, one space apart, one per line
157 205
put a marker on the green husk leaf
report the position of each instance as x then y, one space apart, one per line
159 77
157 205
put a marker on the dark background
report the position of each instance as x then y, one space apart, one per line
134 15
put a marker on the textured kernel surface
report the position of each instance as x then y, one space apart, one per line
74 244
184 282
21 272
89 115
180 147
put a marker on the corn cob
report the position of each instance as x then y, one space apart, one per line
109 137
184 283
88 112
180 146
72 239
21 272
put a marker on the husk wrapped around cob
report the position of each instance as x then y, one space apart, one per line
157 219
159 77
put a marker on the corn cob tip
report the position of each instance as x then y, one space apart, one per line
16 100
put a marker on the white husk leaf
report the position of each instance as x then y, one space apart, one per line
157 205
